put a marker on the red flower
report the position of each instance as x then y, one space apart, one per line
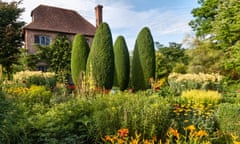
72 87
24 81
123 132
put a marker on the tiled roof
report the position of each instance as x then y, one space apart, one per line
55 19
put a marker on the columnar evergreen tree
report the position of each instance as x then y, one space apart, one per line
143 63
10 35
122 63
80 51
101 58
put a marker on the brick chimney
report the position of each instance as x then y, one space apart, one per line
98 12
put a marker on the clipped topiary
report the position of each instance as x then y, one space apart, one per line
122 64
143 63
79 56
101 58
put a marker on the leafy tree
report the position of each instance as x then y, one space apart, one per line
10 35
170 59
80 51
205 57
122 63
101 58
204 16
220 21
143 63
60 54
57 56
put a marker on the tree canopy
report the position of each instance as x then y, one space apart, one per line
10 35
218 23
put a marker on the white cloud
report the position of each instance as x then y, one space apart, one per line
122 18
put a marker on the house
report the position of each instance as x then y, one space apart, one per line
48 21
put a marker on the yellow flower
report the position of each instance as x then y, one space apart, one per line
191 128
201 133
186 121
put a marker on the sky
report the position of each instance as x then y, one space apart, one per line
167 19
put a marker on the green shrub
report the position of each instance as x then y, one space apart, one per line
122 63
181 82
228 116
63 123
80 51
136 112
101 58
143 63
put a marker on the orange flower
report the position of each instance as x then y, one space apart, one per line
154 138
123 132
108 138
173 132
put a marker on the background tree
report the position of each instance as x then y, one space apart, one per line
143 63
204 16
205 58
79 56
219 21
101 58
122 63
170 59
10 35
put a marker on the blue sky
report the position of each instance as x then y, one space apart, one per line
167 19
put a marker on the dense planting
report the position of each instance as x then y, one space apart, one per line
37 115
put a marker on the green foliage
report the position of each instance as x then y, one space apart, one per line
80 51
205 58
143 63
10 35
218 21
101 58
226 25
122 63
204 16
63 123
60 54
137 112
57 55
228 116
170 59
181 82
232 62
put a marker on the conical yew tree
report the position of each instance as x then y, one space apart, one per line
143 63
79 56
122 64
101 58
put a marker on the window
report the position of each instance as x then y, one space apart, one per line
42 40
42 68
